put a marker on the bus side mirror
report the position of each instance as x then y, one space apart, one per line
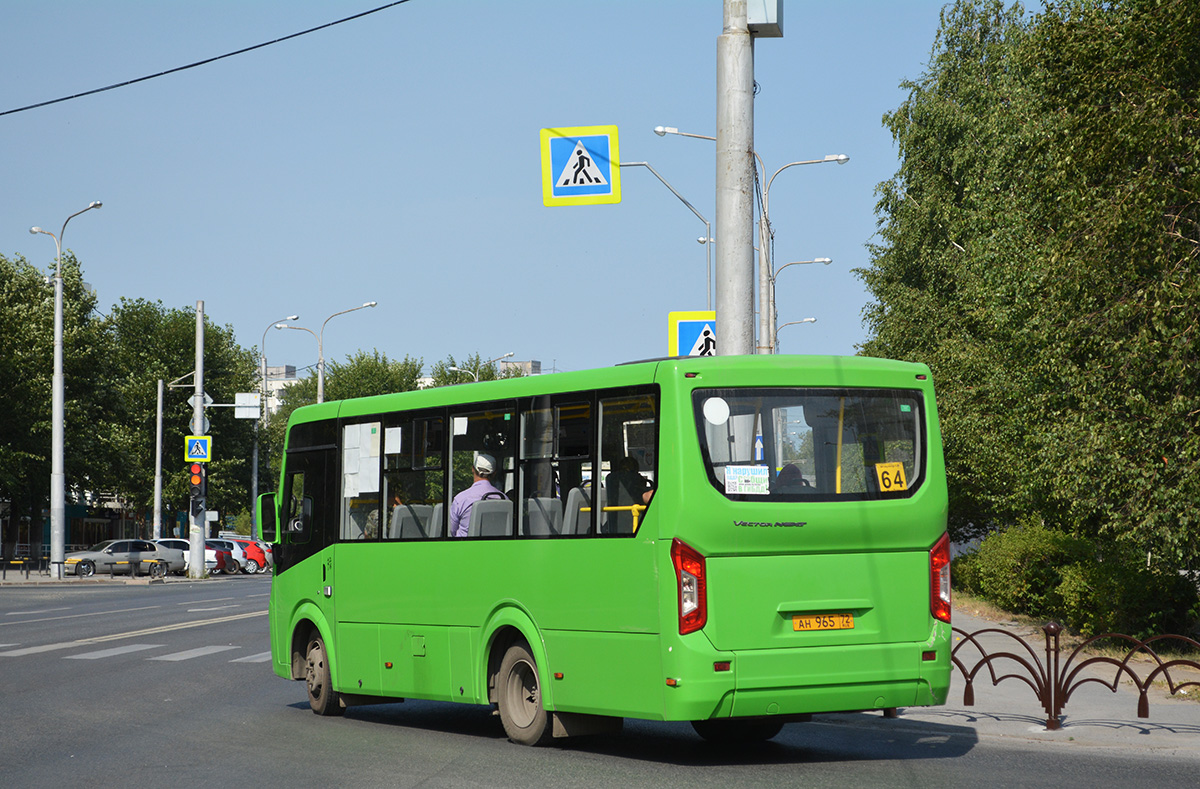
268 521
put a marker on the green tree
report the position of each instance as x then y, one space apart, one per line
1038 249
26 374
149 342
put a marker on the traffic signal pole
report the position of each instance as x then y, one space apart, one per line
197 508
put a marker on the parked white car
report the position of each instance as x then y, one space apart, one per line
178 543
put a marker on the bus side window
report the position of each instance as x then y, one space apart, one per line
300 510
556 448
628 461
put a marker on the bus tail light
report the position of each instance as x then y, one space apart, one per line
939 579
693 592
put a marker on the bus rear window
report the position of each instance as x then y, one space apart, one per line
812 444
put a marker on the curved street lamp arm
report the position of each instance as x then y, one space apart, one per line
682 199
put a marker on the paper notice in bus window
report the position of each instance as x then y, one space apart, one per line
891 477
748 480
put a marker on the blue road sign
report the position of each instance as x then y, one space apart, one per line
580 166
197 449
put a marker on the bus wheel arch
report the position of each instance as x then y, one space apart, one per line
307 624
519 697
506 627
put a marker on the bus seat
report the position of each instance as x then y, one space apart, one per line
433 526
576 520
490 518
409 521
542 517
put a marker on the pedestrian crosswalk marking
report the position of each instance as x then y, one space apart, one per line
193 653
261 657
111 652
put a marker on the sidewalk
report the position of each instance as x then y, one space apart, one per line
1093 716
14 577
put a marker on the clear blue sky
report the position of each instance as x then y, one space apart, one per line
395 158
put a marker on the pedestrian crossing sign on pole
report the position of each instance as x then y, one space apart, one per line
580 166
692 333
197 449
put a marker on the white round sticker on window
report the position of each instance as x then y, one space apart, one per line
716 410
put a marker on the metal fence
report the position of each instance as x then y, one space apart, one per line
1053 679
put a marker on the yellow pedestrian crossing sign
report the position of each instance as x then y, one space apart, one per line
581 165
197 449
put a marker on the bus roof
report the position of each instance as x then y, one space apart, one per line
762 370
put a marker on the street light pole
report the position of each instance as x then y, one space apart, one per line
707 240
772 316
58 496
321 345
735 182
793 323
765 273
262 348
475 373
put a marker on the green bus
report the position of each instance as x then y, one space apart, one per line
738 542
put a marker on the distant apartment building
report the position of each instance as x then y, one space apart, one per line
531 367
278 379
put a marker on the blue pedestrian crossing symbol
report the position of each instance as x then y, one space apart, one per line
692 333
580 166
197 449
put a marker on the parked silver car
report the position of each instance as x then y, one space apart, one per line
122 556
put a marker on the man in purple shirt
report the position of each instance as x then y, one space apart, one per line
460 509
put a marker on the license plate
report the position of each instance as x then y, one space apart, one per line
823 622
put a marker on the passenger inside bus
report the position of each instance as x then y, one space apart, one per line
626 487
482 468
790 480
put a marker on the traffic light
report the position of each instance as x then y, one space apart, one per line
197 485
196 480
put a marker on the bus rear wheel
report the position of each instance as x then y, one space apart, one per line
734 730
520 698
322 698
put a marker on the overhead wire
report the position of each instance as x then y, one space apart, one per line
204 62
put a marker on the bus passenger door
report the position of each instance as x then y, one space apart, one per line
305 561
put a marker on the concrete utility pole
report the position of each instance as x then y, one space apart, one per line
735 183
158 465
196 533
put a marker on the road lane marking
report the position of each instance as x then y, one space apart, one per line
213 608
261 657
77 616
213 600
40 611
132 634
103 653
175 657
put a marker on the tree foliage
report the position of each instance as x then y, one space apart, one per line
111 365
1038 250
26 375
148 342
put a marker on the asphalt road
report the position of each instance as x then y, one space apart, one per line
169 683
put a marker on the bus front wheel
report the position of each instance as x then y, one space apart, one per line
323 699
520 698
734 730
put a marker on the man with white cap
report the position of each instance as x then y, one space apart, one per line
482 468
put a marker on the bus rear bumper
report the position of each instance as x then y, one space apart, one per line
812 680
